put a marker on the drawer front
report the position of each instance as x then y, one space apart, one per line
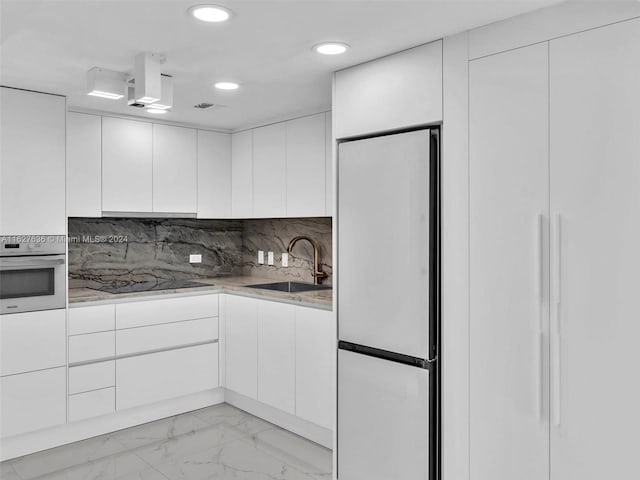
154 312
94 376
100 318
32 341
33 401
92 404
92 346
145 339
159 376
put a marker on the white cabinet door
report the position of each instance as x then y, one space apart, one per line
32 341
32 163
315 365
509 303
127 165
214 174
145 379
241 323
242 174
84 165
306 166
174 169
33 401
595 197
328 149
276 355
400 90
166 310
270 171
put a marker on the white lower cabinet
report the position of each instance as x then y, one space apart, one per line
93 376
276 355
315 362
32 401
241 320
92 404
154 377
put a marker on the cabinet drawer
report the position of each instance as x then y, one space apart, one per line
144 339
32 341
92 346
84 378
159 376
92 404
32 401
99 318
153 312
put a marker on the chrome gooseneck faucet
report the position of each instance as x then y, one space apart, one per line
317 274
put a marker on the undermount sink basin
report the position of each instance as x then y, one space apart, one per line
291 287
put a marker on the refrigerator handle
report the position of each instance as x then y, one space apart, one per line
557 339
539 344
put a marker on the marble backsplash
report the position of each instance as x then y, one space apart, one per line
137 249
274 234
106 250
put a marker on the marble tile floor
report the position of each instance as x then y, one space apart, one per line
214 443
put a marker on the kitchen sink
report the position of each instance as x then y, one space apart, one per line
291 287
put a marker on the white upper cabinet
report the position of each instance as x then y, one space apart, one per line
32 163
84 165
270 171
242 174
174 169
214 174
393 92
127 165
306 166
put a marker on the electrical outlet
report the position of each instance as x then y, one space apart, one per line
270 258
285 259
260 257
195 258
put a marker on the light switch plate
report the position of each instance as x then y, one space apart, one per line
260 257
270 258
195 258
285 259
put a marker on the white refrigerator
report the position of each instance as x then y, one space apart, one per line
388 307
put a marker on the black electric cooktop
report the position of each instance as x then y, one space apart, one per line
132 287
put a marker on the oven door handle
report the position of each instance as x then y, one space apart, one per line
15 263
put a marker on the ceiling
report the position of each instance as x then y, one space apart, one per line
48 45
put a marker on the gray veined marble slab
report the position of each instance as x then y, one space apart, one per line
115 467
237 460
236 419
153 433
66 456
7 471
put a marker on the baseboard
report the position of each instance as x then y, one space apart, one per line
19 445
304 428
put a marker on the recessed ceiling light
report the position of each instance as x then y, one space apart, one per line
331 48
226 86
210 13
157 111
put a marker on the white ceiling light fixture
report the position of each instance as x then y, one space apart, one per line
148 86
226 85
210 13
331 48
105 83
157 111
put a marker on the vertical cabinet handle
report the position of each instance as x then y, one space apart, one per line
557 340
539 347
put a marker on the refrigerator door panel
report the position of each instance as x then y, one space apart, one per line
383 238
383 419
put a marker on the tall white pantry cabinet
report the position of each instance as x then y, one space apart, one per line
554 258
